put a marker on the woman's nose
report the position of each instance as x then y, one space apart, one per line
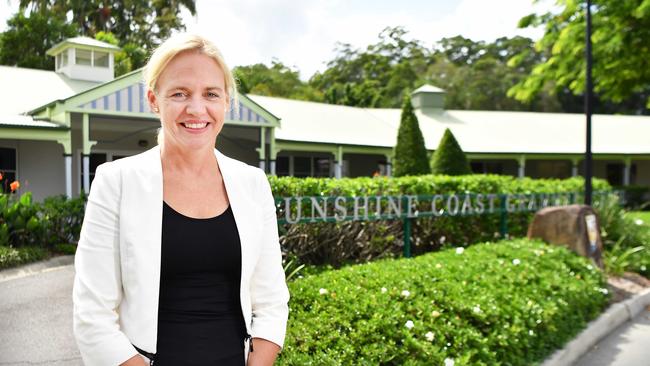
195 106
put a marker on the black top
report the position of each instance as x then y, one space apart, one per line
199 318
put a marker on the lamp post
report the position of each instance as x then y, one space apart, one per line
588 101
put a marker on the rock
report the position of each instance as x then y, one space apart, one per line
570 226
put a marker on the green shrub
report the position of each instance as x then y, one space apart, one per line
11 257
635 196
410 154
626 239
20 223
63 218
356 241
449 158
65 248
509 303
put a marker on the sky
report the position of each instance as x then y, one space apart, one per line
303 33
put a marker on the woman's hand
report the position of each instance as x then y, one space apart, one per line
136 360
264 353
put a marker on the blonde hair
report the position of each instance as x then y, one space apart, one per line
185 42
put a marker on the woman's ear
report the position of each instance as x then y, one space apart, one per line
153 101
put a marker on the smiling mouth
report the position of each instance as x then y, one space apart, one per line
195 126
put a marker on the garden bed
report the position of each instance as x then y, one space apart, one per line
511 302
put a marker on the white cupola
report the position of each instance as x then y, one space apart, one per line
84 58
428 97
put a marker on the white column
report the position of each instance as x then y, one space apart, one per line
626 172
338 162
574 168
68 175
272 167
389 166
522 167
86 163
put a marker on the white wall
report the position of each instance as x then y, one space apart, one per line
41 168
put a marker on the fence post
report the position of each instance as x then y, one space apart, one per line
503 227
407 237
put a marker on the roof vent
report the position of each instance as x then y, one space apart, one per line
84 58
428 97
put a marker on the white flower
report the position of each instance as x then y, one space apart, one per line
323 291
429 336
604 291
383 290
409 324
460 250
531 333
638 222
477 309
406 293
516 261
449 362
442 239
438 265
435 313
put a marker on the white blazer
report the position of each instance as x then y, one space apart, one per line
117 262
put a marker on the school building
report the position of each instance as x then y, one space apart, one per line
57 126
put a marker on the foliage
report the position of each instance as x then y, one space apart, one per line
137 27
410 154
512 303
11 257
20 224
449 158
376 76
27 38
621 29
278 80
359 241
63 218
635 196
65 248
622 235
143 22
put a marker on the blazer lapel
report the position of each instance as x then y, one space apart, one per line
234 180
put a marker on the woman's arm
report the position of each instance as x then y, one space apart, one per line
264 354
97 291
268 289
136 360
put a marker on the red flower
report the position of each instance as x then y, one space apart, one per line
1 176
14 185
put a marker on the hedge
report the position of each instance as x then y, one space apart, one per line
11 257
357 241
508 303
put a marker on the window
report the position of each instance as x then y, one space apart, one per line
100 59
322 167
7 167
301 166
95 160
83 57
64 59
282 166
614 173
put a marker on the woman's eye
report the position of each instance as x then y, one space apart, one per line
213 95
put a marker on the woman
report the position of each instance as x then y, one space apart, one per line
178 260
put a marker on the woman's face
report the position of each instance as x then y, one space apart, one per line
191 101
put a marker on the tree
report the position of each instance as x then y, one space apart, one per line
376 76
278 80
145 23
26 39
410 154
621 69
449 158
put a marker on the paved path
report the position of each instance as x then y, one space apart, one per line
36 320
628 345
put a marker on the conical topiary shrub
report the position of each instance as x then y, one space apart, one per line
449 158
410 154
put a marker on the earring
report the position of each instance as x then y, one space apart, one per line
155 109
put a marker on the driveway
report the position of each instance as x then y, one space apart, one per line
36 319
